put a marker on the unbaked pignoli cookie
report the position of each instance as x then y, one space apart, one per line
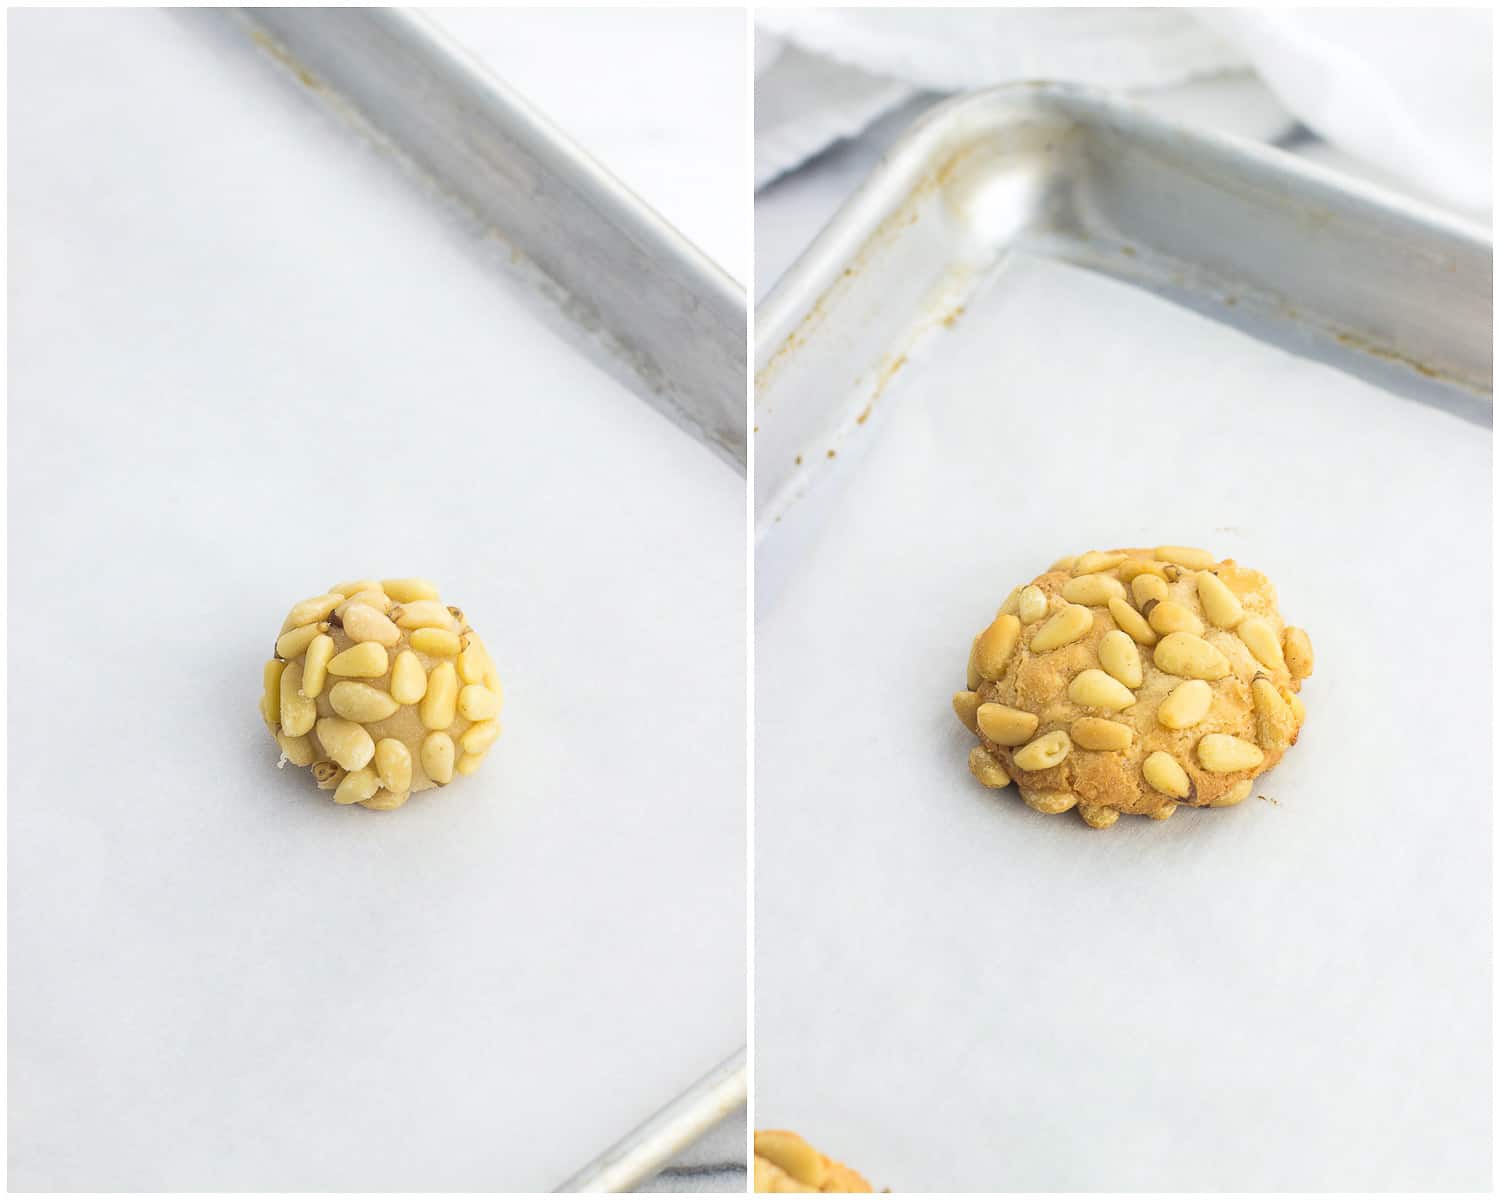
786 1163
382 690
1132 681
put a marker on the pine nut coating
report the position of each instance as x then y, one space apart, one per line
364 623
437 757
1132 623
408 679
1046 751
1080 716
1222 606
1065 626
1119 656
966 709
350 697
1032 605
366 660
996 644
1297 650
1223 754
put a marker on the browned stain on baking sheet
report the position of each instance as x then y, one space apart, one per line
284 56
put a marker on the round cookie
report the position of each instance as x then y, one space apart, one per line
1132 681
381 690
786 1163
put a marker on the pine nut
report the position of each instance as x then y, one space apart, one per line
347 743
966 709
1118 656
437 757
1098 816
1065 626
1162 813
1045 752
421 614
1224 755
294 641
1234 795
477 703
1257 634
298 750
1012 603
1063 564
315 666
364 623
1190 656
357 786
270 701
1095 733
1133 568
1165 774
1297 706
328 775
438 705
1221 605
1298 651
1096 560
1275 724
792 1155
315 609
374 598
1005 726
1168 616
974 678
1051 803
386 800
1146 588
355 586
474 661
1185 705
438 642
1032 605
1186 556
1094 688
393 765
405 591
1132 623
995 646
1092 589
363 660
468 763
297 712
479 737
361 702
408 679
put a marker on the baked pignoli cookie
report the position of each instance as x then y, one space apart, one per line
382 690
1132 681
786 1163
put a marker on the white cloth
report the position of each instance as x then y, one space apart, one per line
1405 90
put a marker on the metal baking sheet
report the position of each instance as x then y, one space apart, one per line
1050 323
250 351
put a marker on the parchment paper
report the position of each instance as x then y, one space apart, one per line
954 992
247 358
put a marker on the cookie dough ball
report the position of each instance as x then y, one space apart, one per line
1132 681
786 1163
382 690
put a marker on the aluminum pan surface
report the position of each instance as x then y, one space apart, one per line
217 980
668 316
967 995
1380 286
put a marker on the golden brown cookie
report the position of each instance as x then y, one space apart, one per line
1132 681
382 690
786 1163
